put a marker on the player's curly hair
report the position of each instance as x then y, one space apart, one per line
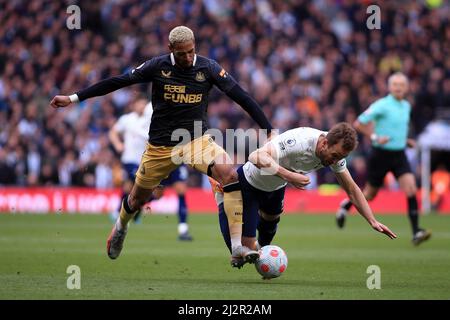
180 34
343 132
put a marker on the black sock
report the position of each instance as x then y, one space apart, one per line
413 213
266 231
126 205
346 204
128 210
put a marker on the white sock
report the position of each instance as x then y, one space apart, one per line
235 241
183 228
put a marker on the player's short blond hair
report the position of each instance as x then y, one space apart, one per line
180 34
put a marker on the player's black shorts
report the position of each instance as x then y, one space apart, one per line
254 200
382 161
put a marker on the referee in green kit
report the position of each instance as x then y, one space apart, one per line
390 117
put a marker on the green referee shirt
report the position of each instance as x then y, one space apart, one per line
391 118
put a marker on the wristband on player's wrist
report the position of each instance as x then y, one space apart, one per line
373 137
74 98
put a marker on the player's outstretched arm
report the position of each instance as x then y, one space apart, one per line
98 89
357 198
141 74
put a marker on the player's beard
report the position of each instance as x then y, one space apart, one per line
324 161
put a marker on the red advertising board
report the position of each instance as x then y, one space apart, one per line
95 201
54 200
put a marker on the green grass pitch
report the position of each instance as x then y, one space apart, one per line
324 262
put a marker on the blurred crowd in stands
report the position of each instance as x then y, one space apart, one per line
308 63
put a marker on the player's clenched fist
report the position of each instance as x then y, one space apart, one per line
60 101
299 181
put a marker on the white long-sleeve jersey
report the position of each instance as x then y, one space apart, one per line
295 152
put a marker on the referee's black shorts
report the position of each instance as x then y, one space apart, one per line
382 161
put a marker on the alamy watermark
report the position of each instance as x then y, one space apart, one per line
74 20
197 149
74 280
374 20
374 280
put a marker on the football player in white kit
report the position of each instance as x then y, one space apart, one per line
286 159
129 137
